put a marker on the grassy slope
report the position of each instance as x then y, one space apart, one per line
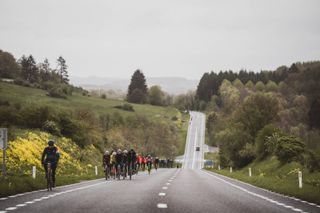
283 179
24 95
30 96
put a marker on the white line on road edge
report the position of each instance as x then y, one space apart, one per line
44 190
162 205
162 194
255 194
50 196
266 190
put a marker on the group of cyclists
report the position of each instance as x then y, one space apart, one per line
126 163
115 163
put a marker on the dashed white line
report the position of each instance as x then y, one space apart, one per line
3 198
165 187
21 205
167 184
162 194
162 205
3 211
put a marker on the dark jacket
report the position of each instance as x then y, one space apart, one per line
50 155
132 157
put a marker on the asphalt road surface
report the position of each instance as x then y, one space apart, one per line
185 190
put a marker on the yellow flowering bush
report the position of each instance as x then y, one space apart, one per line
25 152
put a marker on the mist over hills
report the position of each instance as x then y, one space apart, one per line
171 85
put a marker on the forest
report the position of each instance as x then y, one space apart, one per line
252 116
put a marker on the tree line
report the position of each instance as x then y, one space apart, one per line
272 113
27 72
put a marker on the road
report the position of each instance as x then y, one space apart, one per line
185 190
195 138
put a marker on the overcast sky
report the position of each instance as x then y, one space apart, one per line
162 38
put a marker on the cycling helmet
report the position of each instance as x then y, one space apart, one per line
51 142
149 156
125 151
119 150
106 152
114 153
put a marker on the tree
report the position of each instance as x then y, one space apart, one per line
260 86
137 90
45 71
314 114
156 95
257 111
62 70
29 70
271 86
230 96
8 66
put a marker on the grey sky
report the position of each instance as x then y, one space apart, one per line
163 38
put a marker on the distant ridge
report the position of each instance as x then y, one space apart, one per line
171 85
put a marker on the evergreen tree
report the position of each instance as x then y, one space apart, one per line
62 70
137 90
29 70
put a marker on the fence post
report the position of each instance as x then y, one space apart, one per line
300 179
230 169
34 172
219 167
96 170
250 173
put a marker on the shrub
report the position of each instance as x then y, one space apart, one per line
51 127
261 145
289 148
104 96
126 107
56 92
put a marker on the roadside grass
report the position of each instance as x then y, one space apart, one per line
183 133
283 179
30 96
11 185
211 156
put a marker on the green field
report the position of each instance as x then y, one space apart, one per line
269 174
29 96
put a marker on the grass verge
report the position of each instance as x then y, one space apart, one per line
11 185
283 179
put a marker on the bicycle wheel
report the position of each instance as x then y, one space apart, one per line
49 178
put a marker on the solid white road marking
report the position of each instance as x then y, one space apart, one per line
11 208
255 194
162 205
50 196
162 194
266 190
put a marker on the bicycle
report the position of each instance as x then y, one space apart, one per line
107 172
124 171
149 167
49 177
130 170
118 171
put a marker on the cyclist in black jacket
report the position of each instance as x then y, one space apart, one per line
50 155
132 158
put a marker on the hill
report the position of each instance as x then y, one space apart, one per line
83 127
171 85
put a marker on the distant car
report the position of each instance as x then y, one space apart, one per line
197 148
